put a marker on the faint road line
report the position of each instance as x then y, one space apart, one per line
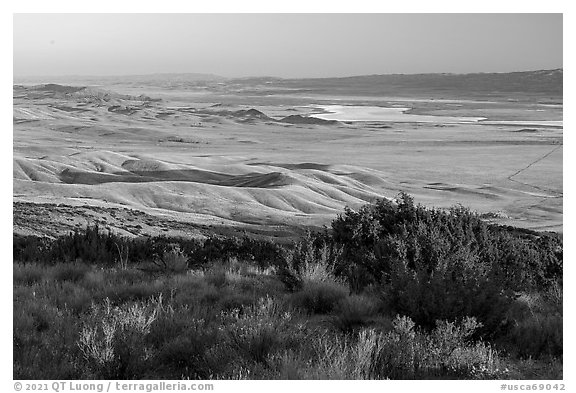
529 165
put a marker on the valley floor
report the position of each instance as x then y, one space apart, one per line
217 159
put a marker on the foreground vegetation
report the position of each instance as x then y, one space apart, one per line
394 291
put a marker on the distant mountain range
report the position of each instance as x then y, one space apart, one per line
541 83
96 79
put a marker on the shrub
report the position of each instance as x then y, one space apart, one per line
43 341
313 274
89 245
259 286
182 357
180 340
216 276
258 331
313 257
30 248
94 280
456 286
531 369
354 312
442 264
28 273
173 260
317 267
112 340
236 301
100 246
519 259
127 276
120 293
70 296
69 271
320 297
535 327
407 353
290 278
537 337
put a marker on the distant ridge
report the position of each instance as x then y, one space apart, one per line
520 85
159 77
517 85
187 77
547 72
540 82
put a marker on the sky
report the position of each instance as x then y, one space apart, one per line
284 45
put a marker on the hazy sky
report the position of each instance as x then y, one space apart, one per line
285 45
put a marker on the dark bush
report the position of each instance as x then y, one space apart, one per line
535 327
73 272
216 276
97 246
182 356
437 264
354 312
28 273
319 297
